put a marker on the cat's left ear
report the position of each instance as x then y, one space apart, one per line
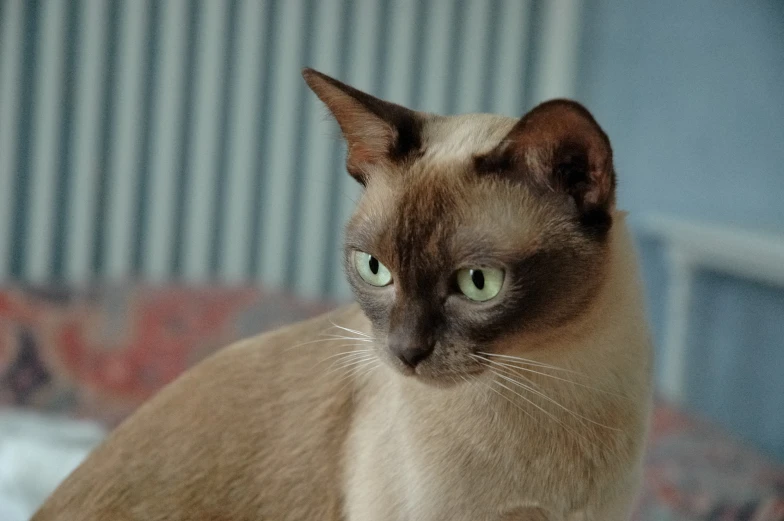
376 131
558 146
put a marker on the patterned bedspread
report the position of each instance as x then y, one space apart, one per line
99 353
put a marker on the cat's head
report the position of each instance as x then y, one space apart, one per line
473 231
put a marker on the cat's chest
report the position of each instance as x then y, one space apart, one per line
409 466
453 473
396 482
454 484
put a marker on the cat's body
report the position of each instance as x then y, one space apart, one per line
468 454
423 403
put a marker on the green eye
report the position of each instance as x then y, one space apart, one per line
371 270
480 284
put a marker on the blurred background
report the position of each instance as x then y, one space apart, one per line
163 158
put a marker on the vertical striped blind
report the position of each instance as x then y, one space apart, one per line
175 140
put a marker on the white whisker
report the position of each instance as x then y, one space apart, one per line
324 336
488 363
357 372
547 413
529 370
551 400
526 361
343 337
343 364
367 371
316 341
499 393
349 354
349 330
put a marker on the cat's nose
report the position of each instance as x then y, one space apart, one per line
410 354
412 330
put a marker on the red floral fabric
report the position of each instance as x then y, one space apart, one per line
101 353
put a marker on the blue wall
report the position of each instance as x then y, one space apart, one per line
692 96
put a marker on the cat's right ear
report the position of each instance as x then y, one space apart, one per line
377 132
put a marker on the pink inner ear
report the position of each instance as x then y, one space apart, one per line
368 136
368 140
375 130
601 191
360 155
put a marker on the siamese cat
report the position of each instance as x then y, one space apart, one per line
496 366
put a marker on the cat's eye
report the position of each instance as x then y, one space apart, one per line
371 270
480 284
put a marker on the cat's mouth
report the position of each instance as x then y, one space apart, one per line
433 371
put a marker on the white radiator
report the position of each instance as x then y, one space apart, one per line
175 140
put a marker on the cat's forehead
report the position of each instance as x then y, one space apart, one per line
458 138
449 144
441 183
438 199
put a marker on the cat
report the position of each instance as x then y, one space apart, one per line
495 366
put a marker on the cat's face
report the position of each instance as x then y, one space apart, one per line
472 231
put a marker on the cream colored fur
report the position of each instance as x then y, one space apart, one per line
263 431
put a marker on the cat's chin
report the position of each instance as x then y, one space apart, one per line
446 381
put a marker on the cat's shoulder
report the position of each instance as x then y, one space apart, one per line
290 337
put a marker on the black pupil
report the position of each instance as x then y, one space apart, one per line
373 263
478 278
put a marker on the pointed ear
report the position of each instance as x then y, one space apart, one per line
376 131
559 147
